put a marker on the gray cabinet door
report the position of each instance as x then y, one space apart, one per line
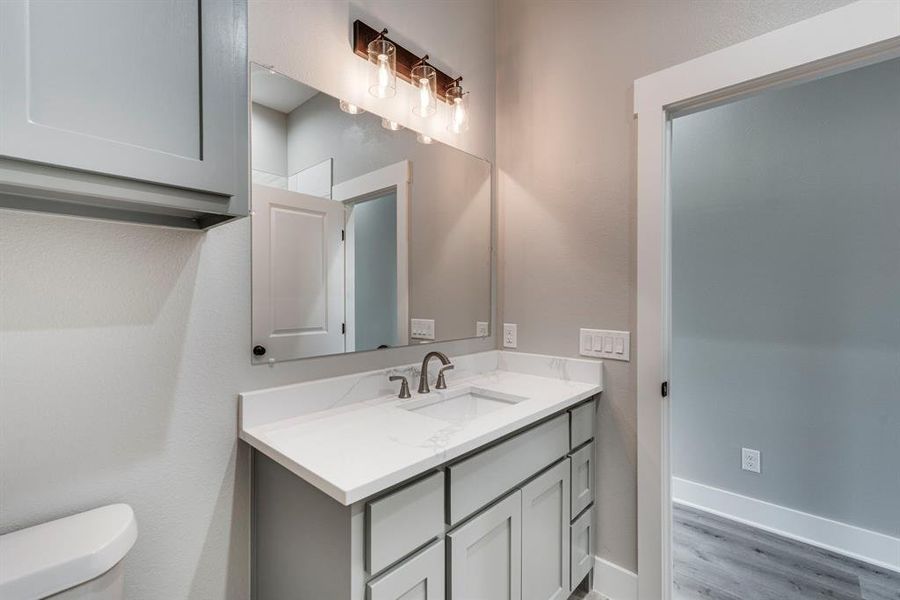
143 89
485 558
421 577
545 535
582 478
582 560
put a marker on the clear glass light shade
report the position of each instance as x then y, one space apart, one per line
424 78
459 109
392 125
382 68
350 108
424 139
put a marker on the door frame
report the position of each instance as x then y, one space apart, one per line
861 33
398 178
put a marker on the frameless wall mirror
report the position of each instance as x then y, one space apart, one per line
364 237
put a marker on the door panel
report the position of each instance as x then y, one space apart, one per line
486 554
298 274
420 577
140 89
582 560
545 535
582 479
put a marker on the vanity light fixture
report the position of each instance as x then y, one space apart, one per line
350 108
424 139
424 78
368 43
459 108
383 66
391 125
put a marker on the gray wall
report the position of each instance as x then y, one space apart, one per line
375 251
449 210
123 347
565 159
268 139
786 295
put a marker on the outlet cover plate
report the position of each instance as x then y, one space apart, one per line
481 329
750 460
510 336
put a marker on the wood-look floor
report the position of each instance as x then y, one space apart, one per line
718 559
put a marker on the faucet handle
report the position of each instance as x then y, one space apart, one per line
441 382
404 387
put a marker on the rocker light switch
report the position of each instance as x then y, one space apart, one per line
602 343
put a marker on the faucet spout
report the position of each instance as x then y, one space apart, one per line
424 388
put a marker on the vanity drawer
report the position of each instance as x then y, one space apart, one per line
582 557
582 478
420 577
581 423
476 481
404 520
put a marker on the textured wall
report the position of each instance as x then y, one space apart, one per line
123 348
565 158
785 293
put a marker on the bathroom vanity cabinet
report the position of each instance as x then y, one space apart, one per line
127 110
508 521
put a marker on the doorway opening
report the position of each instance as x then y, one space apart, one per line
840 41
785 341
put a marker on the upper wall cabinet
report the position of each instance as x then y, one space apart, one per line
147 92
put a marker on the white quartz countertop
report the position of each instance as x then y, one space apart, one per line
353 450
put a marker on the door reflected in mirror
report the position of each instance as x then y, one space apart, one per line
363 237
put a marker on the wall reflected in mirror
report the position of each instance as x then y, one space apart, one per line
363 237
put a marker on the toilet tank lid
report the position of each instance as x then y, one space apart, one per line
51 557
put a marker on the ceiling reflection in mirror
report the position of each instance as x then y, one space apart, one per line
365 236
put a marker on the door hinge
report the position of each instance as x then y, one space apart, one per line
665 389
343 235
344 328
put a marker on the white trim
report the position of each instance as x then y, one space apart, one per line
613 582
848 540
398 177
831 42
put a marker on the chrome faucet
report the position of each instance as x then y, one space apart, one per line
423 375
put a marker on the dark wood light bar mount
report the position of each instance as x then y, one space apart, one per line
363 35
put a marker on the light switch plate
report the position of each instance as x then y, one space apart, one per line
481 329
509 335
421 329
605 343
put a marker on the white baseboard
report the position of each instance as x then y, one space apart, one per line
841 538
613 582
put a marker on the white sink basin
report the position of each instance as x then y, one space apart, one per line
462 404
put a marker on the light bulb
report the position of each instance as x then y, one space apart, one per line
424 139
424 78
391 125
459 109
384 75
459 115
383 70
424 96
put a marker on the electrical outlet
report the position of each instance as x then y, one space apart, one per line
750 460
481 329
509 335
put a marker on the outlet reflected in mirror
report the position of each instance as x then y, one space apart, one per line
363 238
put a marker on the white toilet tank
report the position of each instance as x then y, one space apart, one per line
74 558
